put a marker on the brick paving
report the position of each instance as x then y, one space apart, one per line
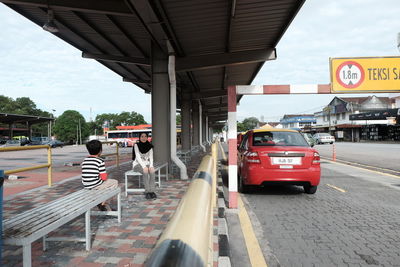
113 244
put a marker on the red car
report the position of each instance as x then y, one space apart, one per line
277 156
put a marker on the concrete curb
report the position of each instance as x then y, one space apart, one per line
223 236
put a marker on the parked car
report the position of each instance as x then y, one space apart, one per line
323 138
309 138
54 143
11 143
277 156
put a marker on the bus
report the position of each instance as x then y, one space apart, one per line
126 138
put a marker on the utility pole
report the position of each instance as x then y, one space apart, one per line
80 133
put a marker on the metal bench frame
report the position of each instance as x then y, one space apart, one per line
25 228
157 169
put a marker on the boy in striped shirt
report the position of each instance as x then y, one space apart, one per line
94 175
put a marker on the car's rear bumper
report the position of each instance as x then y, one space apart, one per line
326 141
294 176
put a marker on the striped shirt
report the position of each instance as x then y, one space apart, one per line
92 167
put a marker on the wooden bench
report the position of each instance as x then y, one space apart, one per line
157 169
25 228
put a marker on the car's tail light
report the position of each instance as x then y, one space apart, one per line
316 159
253 157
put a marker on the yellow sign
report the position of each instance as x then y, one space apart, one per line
372 74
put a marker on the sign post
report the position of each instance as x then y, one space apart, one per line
365 74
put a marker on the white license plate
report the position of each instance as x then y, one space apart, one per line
288 160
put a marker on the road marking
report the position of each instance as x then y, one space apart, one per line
337 188
253 247
378 172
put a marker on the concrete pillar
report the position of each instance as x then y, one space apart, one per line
185 123
204 128
160 111
10 131
195 123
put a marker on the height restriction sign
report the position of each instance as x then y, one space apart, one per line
372 74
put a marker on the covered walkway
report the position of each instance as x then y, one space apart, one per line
125 244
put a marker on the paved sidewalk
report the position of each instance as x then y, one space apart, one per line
125 244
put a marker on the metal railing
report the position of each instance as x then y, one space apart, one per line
187 239
48 165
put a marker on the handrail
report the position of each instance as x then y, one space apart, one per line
112 154
187 239
48 165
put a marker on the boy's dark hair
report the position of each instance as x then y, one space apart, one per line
94 147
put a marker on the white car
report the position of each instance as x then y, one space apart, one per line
323 138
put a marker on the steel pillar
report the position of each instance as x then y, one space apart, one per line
160 110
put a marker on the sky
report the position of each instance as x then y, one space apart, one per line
38 65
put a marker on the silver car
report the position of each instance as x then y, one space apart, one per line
323 138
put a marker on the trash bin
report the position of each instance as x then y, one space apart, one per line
1 212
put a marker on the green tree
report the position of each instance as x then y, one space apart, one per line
240 127
67 124
123 118
250 123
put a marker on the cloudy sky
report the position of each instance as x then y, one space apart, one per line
53 74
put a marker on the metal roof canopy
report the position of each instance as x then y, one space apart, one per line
217 42
16 118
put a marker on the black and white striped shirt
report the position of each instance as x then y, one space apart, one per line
92 167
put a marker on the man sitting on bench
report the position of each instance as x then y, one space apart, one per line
94 175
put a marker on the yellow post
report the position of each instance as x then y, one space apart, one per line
49 169
214 184
117 154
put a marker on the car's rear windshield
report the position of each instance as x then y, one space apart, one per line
277 138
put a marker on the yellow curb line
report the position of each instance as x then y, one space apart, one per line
337 188
395 176
253 247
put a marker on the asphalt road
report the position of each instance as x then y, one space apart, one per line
373 154
352 220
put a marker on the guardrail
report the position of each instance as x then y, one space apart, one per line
48 165
187 239
112 154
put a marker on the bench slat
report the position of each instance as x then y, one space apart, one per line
51 218
48 207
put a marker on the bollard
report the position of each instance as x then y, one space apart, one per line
1 212
334 153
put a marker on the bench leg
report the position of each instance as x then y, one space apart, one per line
126 185
27 255
159 177
87 230
44 243
119 207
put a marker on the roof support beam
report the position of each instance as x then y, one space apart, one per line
145 82
211 94
119 59
116 7
226 59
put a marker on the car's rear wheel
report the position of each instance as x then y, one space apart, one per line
242 188
309 189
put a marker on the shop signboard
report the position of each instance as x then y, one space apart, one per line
376 115
365 74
